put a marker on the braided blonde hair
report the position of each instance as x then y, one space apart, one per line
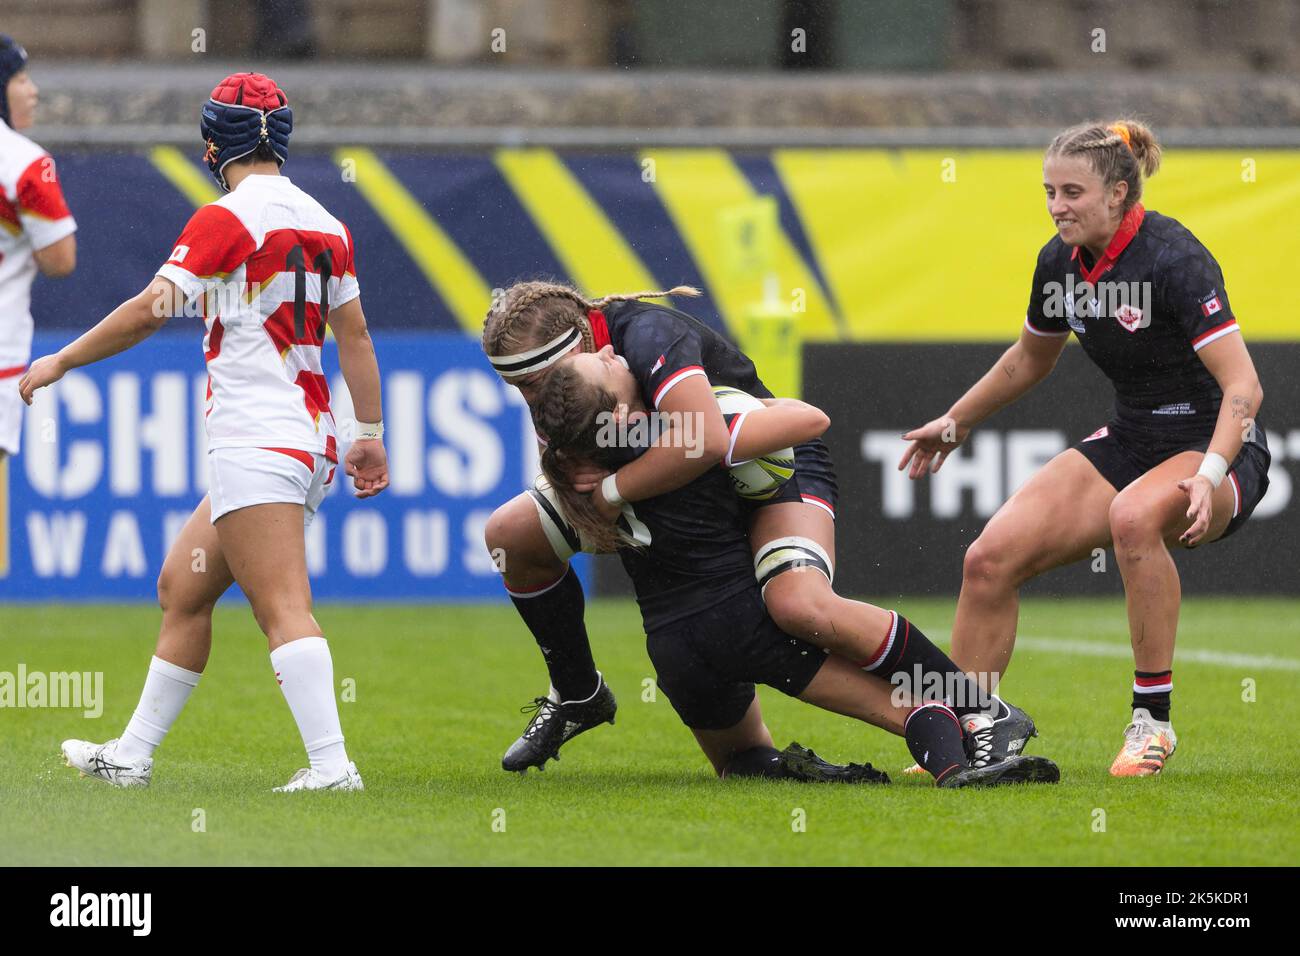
527 314
1123 149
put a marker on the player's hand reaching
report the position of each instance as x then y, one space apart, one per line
46 370
1201 509
587 477
930 446
367 463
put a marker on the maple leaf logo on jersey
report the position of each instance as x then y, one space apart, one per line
1212 305
1131 318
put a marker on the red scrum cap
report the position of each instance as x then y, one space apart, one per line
250 89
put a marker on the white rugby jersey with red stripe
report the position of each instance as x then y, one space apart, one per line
269 262
33 215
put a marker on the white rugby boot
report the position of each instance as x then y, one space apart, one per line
308 779
99 761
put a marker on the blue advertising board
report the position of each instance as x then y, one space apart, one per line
114 461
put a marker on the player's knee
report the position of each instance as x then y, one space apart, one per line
283 616
166 591
799 604
513 532
794 575
1133 523
173 597
501 529
990 562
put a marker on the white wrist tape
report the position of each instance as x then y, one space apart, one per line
609 488
367 431
1214 467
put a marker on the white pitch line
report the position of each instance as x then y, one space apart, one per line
1062 645
1065 645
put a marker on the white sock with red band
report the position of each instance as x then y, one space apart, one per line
166 689
305 671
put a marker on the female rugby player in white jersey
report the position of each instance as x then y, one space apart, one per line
37 232
271 267
1183 460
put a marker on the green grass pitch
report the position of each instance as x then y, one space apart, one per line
437 692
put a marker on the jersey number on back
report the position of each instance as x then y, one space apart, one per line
323 265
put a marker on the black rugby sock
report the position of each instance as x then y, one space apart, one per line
554 615
755 762
1153 690
908 652
933 736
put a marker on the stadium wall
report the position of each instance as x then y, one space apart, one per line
873 245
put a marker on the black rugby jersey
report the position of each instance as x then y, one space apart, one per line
698 554
1141 313
699 551
662 346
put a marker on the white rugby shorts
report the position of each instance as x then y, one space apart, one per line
11 412
241 477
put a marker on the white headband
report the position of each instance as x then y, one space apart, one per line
534 360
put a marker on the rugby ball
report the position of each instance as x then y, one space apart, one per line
759 478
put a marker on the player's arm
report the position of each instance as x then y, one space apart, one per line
58 259
46 219
366 461
1230 364
130 323
783 423
695 440
1021 367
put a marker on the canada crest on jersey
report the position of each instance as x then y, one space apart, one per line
1132 318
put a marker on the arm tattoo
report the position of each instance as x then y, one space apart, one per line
1010 369
1240 406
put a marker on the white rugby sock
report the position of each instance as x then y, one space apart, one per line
166 689
305 671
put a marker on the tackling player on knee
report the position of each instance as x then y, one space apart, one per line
707 630
535 328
